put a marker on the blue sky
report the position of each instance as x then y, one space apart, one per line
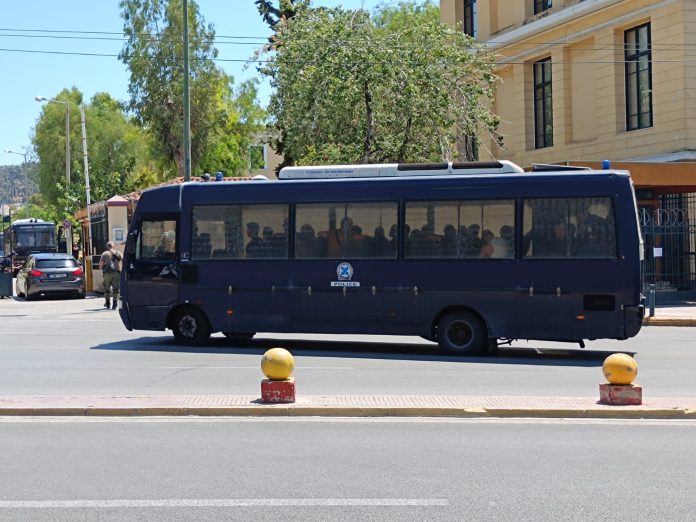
28 74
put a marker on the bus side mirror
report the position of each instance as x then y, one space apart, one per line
130 244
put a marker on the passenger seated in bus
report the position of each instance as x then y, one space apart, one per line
167 245
381 246
307 244
202 247
337 239
472 241
279 242
450 242
423 242
487 249
254 246
359 244
267 234
547 242
507 234
595 242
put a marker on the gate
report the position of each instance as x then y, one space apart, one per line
669 233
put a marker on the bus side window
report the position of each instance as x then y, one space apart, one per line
460 229
346 230
569 228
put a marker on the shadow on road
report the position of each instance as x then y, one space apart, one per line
529 355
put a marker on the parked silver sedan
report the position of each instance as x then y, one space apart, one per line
50 274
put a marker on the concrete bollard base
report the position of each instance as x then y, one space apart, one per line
278 392
620 394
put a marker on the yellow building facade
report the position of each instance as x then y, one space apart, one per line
582 81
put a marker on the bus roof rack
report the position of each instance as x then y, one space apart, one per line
545 167
387 170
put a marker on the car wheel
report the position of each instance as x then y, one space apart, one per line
462 333
190 326
81 295
239 336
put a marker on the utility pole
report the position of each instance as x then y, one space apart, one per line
87 189
187 100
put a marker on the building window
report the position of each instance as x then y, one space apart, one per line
638 56
543 106
541 5
258 157
470 18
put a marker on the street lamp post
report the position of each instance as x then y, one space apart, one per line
24 171
68 236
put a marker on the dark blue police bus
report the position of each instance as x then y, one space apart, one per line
467 255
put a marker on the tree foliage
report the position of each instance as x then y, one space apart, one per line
153 53
117 148
397 86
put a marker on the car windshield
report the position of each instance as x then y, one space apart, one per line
56 263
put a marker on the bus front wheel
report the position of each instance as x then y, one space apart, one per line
462 333
190 326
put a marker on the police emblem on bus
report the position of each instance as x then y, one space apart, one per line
344 272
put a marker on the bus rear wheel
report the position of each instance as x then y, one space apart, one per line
190 327
462 333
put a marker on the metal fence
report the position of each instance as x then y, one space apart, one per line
670 243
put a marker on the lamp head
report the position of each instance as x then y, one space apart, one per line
40 98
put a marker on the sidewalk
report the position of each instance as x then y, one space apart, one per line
672 315
347 406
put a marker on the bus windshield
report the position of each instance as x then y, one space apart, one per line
35 236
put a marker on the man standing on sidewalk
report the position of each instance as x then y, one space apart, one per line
110 263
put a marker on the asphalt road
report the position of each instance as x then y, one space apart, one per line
346 469
75 347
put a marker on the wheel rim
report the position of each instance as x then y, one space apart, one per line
460 334
188 326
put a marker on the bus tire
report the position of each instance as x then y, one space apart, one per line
239 336
190 326
462 333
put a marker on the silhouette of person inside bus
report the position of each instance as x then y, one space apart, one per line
595 241
338 238
255 245
307 244
381 246
167 246
449 241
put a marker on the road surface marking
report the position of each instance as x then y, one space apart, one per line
222 502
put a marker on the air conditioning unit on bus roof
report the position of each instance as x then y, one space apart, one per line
473 168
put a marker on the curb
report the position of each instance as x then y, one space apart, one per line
665 321
615 412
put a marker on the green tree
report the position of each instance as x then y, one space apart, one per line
116 148
153 52
397 86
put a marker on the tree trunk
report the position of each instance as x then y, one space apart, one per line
407 139
179 159
369 117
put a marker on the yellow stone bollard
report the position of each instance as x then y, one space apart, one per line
620 368
277 365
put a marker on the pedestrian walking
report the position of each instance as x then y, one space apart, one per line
110 264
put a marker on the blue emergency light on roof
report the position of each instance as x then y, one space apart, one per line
473 168
606 164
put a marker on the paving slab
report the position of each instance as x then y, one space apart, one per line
346 406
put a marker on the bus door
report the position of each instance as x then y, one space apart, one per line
152 271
